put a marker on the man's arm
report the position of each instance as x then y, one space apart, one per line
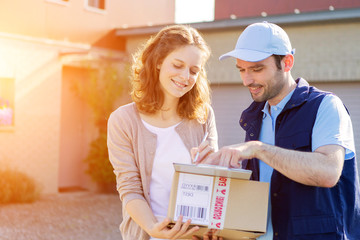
321 168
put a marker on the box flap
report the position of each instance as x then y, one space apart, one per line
213 170
247 206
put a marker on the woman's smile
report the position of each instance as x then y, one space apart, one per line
179 84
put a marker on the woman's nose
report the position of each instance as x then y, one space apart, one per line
185 73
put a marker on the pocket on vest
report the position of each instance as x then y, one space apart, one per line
299 140
314 225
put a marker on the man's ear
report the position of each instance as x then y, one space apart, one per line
288 62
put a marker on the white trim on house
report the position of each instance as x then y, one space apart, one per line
45 41
59 2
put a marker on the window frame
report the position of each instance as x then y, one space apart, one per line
95 9
59 2
7 93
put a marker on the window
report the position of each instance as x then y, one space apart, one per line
7 92
61 2
99 4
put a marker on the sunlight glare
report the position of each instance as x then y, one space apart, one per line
190 11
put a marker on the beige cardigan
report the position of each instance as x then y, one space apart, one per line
131 151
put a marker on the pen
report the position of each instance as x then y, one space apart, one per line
203 140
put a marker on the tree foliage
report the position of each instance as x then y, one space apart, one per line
104 85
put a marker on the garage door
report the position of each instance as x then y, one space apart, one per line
230 100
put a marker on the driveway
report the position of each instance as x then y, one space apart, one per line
64 216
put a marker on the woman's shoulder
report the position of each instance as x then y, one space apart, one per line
127 109
127 112
210 110
210 115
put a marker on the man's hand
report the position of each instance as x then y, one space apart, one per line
211 234
228 156
231 156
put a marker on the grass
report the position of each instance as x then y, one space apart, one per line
17 187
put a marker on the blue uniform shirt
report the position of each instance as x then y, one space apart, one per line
332 126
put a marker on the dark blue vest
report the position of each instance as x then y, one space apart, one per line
300 211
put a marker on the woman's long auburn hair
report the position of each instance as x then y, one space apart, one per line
146 91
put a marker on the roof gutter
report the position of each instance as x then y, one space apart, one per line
288 19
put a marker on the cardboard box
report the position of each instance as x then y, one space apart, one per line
219 198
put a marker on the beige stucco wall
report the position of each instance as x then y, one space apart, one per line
73 21
32 146
77 131
324 52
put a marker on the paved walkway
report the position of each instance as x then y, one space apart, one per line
64 216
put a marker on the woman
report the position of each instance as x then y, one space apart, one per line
170 114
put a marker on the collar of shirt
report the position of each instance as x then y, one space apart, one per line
276 110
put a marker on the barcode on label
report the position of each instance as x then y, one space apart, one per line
194 187
191 212
202 188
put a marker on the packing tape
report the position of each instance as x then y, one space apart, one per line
219 202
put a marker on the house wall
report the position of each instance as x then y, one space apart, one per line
324 52
73 21
77 131
32 145
244 8
52 127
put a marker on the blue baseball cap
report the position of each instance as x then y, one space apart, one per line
259 41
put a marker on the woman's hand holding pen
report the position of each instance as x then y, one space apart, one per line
199 154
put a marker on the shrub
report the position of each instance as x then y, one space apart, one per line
99 166
17 187
103 87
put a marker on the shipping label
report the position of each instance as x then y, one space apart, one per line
194 198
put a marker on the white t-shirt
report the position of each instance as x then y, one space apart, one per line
169 149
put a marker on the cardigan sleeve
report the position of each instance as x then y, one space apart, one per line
122 157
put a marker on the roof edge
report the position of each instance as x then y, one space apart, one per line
302 18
